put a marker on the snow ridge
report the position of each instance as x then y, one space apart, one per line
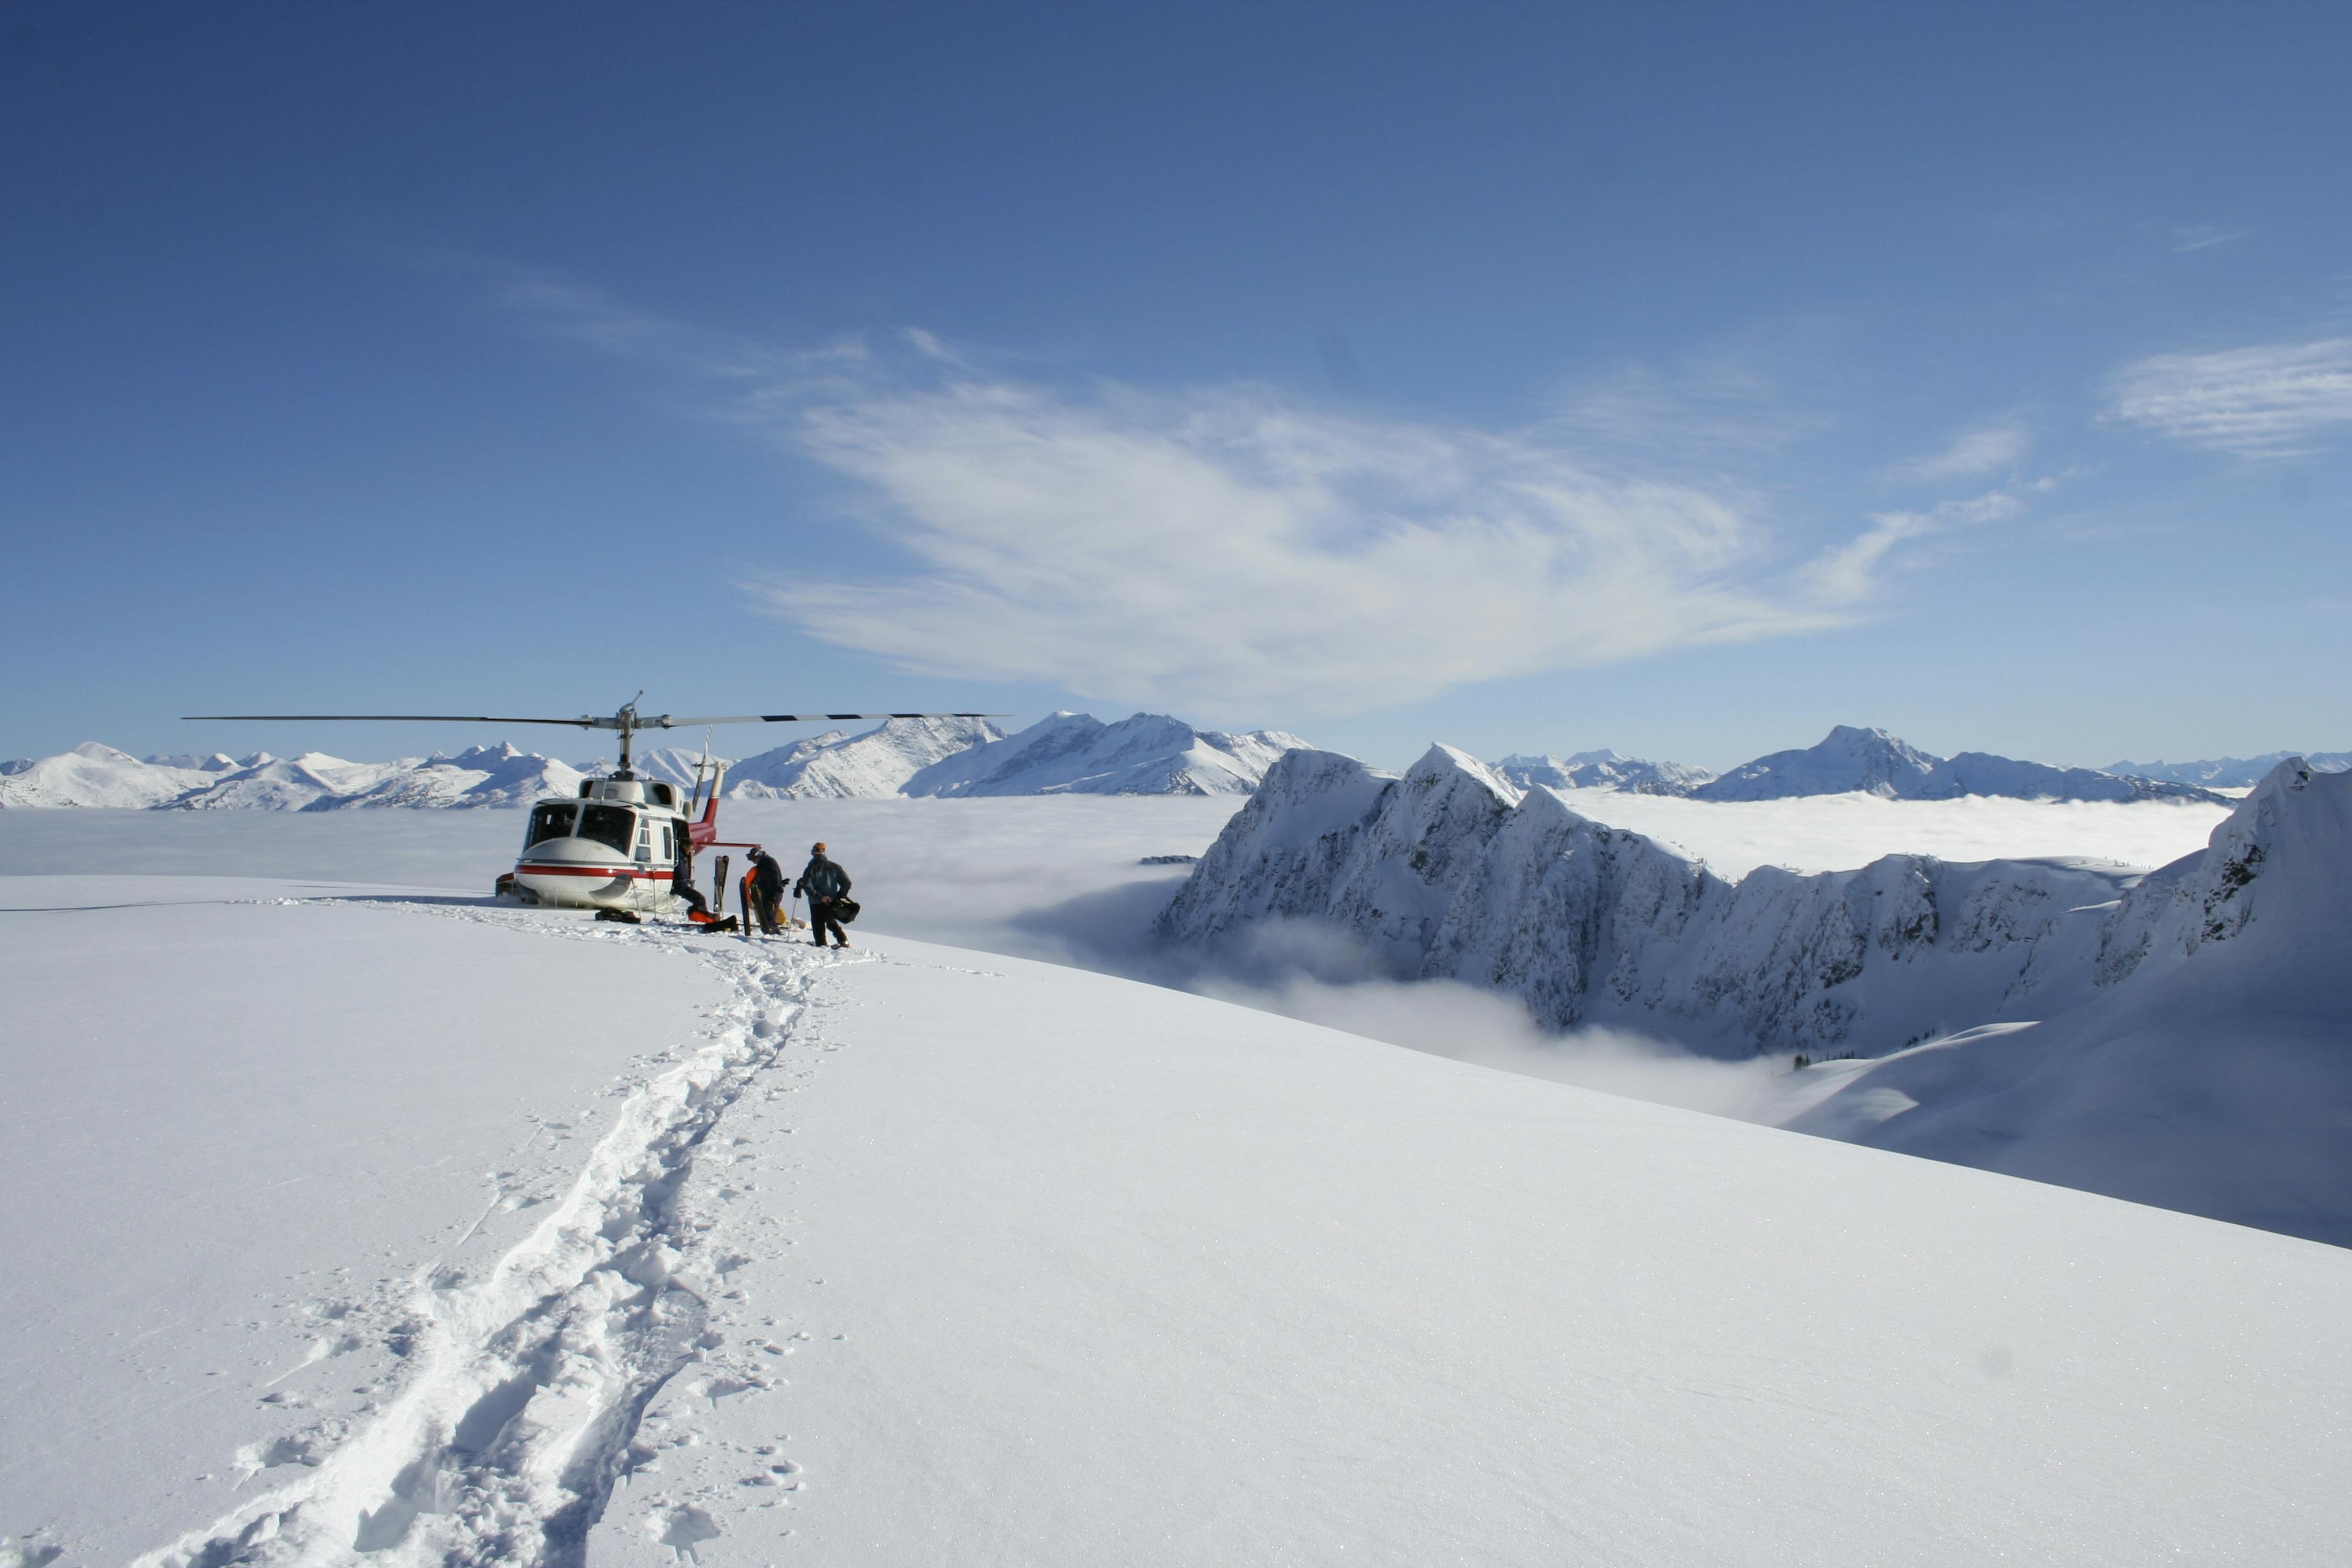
507 1440
1450 871
1077 753
2207 1075
1872 762
876 764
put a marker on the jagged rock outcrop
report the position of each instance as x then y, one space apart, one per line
1451 871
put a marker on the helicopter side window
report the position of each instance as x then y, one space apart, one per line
615 828
550 822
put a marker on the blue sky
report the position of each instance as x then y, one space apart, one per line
1679 379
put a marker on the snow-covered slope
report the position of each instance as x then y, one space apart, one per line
866 767
1603 769
1168 1282
2231 772
96 775
2213 1073
1077 753
1876 763
1450 872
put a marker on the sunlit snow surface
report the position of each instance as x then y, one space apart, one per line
344 1226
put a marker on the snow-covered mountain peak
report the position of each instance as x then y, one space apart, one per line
878 762
2279 859
1445 767
1849 758
1077 753
1854 759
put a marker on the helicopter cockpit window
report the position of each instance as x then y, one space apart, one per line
614 827
550 822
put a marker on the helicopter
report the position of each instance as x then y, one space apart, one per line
624 842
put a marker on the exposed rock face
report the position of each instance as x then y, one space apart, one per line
1451 871
2284 854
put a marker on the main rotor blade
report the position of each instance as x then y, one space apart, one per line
664 722
580 724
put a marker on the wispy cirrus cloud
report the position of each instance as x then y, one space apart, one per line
2271 400
1228 550
1850 573
2189 236
1978 452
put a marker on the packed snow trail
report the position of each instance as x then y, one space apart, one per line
528 1382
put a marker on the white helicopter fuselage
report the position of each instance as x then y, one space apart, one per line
617 846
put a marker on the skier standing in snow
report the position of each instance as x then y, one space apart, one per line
822 882
767 885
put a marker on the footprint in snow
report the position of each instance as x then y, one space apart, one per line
682 1529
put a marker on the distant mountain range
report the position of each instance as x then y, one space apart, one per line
1853 761
1604 770
2233 773
1871 762
1067 753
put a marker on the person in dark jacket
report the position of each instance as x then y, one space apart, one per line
821 883
681 884
768 886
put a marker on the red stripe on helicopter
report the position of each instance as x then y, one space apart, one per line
525 868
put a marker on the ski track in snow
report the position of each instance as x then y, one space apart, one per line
525 1383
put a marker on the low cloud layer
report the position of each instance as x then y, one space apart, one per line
2273 400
